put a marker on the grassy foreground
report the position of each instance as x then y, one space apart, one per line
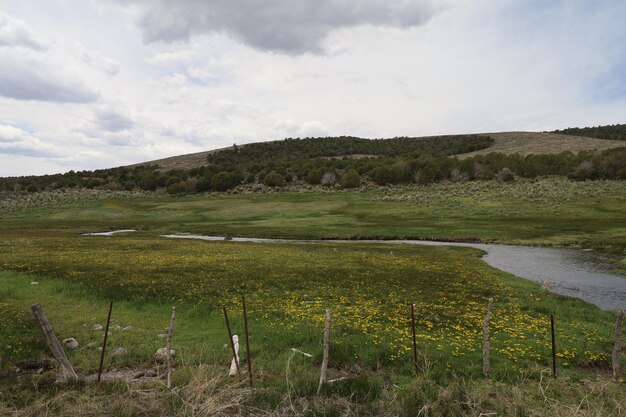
288 286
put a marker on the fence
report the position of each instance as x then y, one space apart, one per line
105 340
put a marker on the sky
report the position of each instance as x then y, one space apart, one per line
89 84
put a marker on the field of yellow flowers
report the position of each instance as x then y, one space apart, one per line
368 288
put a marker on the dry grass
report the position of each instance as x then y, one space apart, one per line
526 143
199 393
187 161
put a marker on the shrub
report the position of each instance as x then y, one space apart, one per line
177 188
204 183
506 175
223 181
274 179
314 176
351 179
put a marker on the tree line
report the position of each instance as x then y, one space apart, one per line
611 132
347 172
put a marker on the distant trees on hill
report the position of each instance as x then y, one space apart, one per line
413 167
612 132
286 150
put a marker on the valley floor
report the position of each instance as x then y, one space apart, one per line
368 288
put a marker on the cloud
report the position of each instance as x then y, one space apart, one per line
310 128
15 141
14 32
114 119
25 76
287 26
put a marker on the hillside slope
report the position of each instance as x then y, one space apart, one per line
527 143
524 143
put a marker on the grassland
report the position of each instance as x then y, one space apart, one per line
551 211
288 286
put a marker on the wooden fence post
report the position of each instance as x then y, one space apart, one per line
486 343
617 347
553 346
248 354
326 348
232 342
104 341
53 342
170 332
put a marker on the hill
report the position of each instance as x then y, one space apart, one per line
347 162
523 143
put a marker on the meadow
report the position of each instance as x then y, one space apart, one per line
288 286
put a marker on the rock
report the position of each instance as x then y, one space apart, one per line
34 283
97 327
127 328
71 343
115 353
161 354
116 327
151 373
91 345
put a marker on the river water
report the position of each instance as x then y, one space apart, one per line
571 272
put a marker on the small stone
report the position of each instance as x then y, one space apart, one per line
116 327
161 354
118 352
161 335
34 283
91 345
127 328
97 327
71 343
151 373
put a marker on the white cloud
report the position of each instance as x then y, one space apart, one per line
15 32
114 119
15 141
25 75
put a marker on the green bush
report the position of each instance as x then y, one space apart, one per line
177 188
351 179
223 181
314 176
274 179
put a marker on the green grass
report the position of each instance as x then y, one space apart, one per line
545 212
288 286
